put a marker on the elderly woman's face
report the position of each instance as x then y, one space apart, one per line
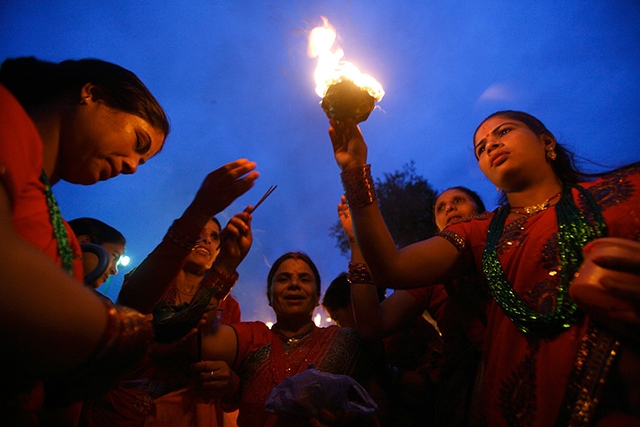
294 290
453 206
98 142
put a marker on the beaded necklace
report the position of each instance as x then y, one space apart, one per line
59 230
573 233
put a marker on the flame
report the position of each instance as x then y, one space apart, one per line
331 69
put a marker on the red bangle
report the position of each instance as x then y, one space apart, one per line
359 188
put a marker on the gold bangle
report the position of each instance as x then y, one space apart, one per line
126 340
359 188
217 279
359 273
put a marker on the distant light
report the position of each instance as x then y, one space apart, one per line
124 260
317 320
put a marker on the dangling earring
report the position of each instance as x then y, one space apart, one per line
551 153
85 100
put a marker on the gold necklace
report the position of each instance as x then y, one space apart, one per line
533 209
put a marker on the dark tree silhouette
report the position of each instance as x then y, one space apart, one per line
406 203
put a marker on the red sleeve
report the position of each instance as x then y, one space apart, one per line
149 282
251 336
230 311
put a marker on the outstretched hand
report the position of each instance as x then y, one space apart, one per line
349 148
221 187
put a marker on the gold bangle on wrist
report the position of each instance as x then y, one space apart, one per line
359 273
359 188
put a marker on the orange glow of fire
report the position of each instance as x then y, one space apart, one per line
331 69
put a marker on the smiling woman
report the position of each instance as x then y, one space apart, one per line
265 357
80 121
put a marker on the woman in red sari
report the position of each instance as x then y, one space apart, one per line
82 122
546 361
264 357
458 307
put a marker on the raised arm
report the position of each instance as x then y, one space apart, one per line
148 283
374 319
428 262
51 324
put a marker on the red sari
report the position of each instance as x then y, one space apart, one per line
533 381
265 360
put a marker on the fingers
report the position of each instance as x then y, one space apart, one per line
213 374
623 285
238 226
626 265
232 170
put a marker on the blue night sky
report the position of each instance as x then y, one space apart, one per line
236 82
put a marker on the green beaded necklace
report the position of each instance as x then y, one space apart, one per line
59 230
573 233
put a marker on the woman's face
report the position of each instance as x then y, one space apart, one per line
509 153
294 290
98 142
207 248
115 251
452 206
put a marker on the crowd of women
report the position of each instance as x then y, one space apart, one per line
521 345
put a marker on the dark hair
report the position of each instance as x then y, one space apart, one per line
36 83
564 165
475 198
214 219
338 294
97 231
292 255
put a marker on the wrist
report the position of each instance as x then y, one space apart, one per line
216 278
359 273
359 187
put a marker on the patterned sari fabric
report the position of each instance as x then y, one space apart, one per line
265 359
161 392
558 378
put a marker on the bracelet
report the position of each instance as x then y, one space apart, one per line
127 331
183 234
359 187
359 273
126 340
217 279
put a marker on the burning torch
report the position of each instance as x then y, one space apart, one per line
346 92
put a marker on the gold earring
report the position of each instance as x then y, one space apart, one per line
551 154
85 100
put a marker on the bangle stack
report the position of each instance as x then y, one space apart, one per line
127 332
359 188
359 273
126 340
217 279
